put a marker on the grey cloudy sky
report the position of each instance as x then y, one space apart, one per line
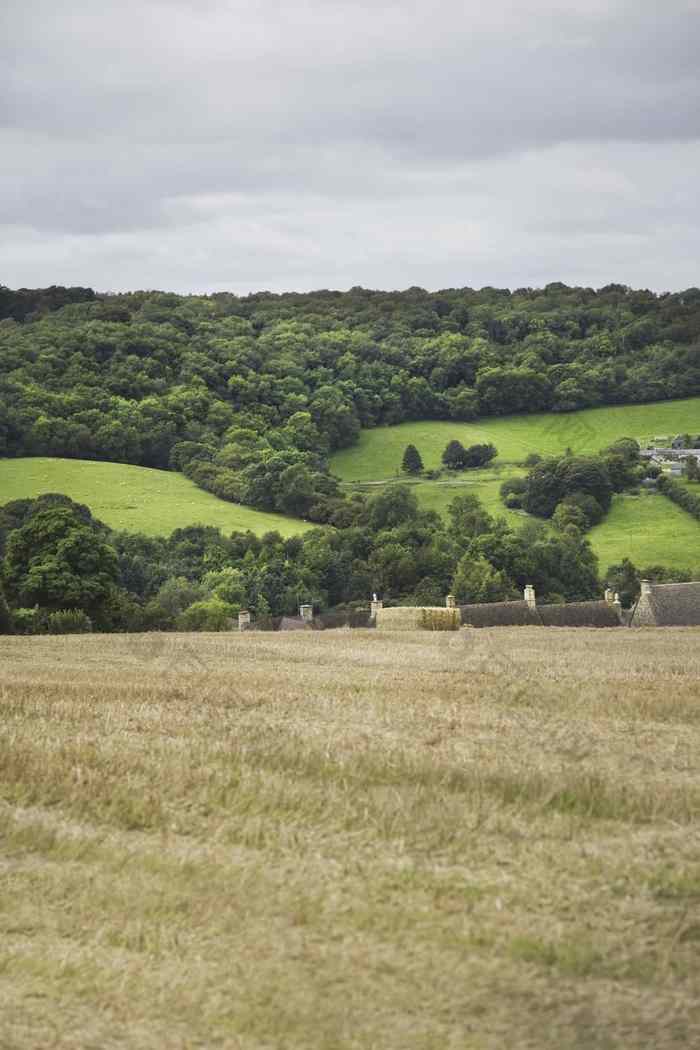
201 145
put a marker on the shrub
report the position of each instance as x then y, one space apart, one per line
69 621
440 619
29 621
480 455
513 491
212 614
579 509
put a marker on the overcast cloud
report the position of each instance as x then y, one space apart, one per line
201 145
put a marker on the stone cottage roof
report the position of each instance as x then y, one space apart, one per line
579 614
498 614
671 604
294 623
521 614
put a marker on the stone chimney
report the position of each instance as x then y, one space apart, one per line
306 612
609 595
617 603
450 602
529 596
243 620
646 588
374 606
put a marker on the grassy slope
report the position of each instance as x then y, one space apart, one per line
351 840
378 453
437 495
649 529
134 498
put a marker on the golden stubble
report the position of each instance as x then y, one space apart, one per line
351 839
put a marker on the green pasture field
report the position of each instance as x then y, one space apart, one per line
378 453
137 499
650 530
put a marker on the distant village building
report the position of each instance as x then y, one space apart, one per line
603 613
667 605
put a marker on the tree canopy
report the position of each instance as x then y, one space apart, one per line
248 395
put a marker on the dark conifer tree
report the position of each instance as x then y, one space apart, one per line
411 462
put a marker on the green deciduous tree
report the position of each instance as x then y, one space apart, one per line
455 456
57 560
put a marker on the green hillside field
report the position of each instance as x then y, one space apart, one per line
378 453
649 529
137 499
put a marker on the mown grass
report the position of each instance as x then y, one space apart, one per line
377 456
650 530
137 499
351 839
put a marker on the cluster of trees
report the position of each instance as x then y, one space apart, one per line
457 457
56 559
249 395
454 457
575 491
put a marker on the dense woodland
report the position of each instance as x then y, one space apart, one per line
248 396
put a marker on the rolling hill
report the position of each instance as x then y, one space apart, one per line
649 529
136 499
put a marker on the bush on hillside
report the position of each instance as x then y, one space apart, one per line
29 621
212 614
68 621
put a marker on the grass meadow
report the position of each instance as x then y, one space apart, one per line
351 840
137 499
377 455
650 530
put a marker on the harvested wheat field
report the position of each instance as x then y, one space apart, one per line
366 840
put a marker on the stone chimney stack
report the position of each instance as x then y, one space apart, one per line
243 620
609 595
529 595
646 588
374 606
306 612
450 601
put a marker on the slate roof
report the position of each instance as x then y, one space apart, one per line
520 614
674 604
579 614
498 614
294 623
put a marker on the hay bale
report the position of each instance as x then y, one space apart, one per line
417 618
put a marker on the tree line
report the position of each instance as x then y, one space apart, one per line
63 570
